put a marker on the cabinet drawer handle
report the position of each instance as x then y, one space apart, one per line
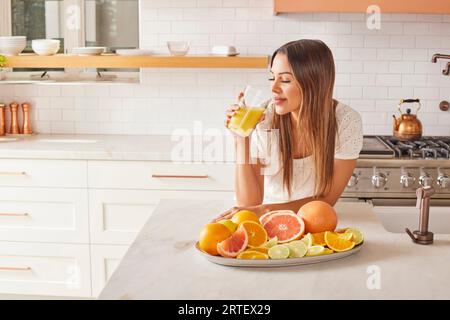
6 214
12 173
15 269
179 176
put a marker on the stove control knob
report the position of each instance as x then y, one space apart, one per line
407 180
353 181
379 180
443 181
426 180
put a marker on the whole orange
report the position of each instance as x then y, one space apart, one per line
319 216
211 235
244 215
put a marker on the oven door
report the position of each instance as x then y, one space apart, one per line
398 214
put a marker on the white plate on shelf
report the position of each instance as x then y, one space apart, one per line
271 263
88 51
133 52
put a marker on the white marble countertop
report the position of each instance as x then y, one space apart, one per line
117 147
163 264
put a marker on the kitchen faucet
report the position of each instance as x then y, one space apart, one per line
446 71
439 56
423 236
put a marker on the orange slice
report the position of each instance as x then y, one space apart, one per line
259 249
257 235
252 255
244 215
318 239
336 243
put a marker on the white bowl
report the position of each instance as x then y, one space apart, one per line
178 48
12 46
11 50
45 47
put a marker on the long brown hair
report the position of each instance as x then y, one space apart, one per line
313 66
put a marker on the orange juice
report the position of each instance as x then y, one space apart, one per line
245 120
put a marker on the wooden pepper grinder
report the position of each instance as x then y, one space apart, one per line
14 128
2 119
26 119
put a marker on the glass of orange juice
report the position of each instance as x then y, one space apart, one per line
253 104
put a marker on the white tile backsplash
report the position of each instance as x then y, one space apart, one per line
375 68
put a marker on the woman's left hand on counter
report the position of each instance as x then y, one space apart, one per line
259 210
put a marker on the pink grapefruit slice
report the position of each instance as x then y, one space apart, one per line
285 225
266 216
234 244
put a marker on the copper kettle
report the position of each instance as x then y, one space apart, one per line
407 126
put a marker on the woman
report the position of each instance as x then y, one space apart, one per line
316 139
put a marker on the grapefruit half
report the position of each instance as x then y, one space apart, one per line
234 244
285 225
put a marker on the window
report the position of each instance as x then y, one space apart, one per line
113 24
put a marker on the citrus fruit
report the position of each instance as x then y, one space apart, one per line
211 235
252 255
279 251
357 235
318 239
244 215
315 251
229 224
257 235
308 240
264 217
319 216
327 251
346 235
285 225
271 242
336 243
297 249
259 249
234 244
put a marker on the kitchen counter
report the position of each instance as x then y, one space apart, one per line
115 147
163 264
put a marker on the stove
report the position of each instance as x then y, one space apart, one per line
390 170
425 148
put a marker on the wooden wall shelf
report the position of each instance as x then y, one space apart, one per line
386 6
116 61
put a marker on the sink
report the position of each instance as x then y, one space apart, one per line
396 218
67 140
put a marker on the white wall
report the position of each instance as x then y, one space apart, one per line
374 69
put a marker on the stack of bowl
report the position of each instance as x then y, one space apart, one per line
45 47
12 46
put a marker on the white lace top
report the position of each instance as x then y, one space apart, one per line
348 144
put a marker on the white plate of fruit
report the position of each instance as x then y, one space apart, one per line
279 238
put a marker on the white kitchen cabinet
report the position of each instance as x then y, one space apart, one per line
45 269
43 173
104 260
44 215
117 216
160 175
66 224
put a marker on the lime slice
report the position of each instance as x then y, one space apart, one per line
357 235
315 251
327 251
279 251
297 249
307 239
346 235
272 242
